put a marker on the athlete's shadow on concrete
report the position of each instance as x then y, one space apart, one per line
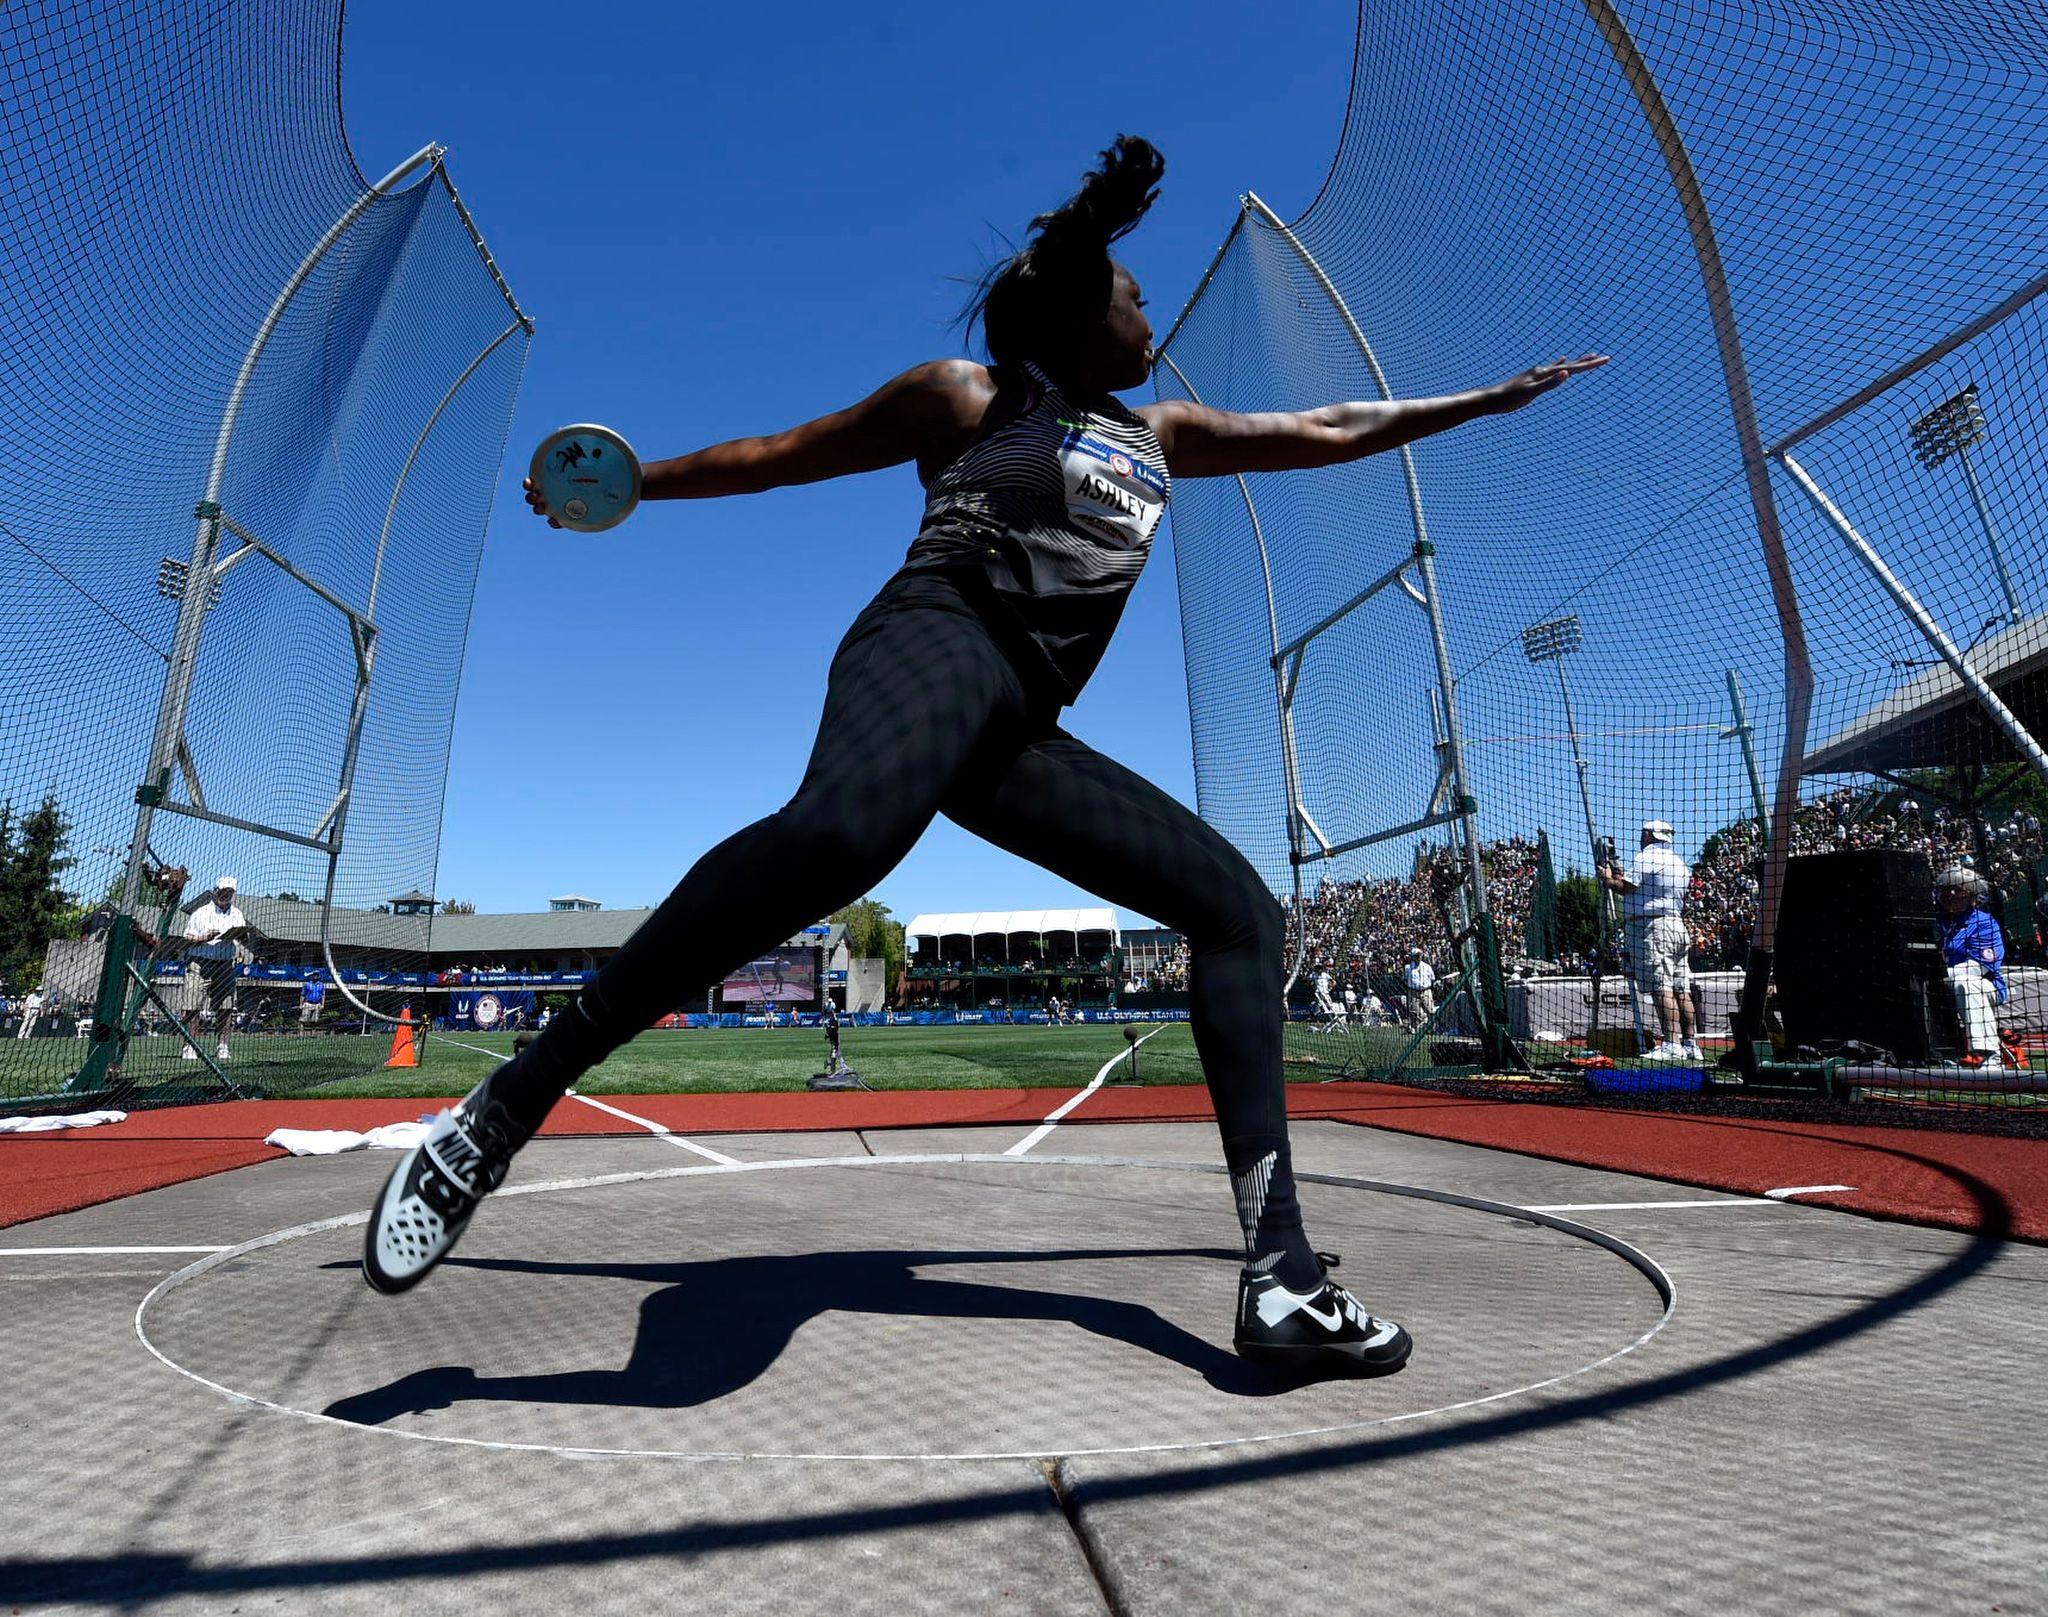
714 1327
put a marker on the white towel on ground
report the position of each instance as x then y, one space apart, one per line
331 1142
42 1125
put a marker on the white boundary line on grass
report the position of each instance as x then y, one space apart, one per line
1052 1120
659 1130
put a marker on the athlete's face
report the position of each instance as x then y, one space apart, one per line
1123 355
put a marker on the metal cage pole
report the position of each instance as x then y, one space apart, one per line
1282 693
1756 471
1957 660
169 735
1745 733
366 652
1463 801
1424 559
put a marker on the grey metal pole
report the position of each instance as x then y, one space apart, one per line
1425 559
352 746
1744 732
1606 908
1282 694
2012 596
1950 653
1571 724
184 660
1742 406
1763 503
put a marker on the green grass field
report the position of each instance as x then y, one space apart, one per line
703 1061
699 1061
740 1060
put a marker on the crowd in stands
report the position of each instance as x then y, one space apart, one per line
1721 908
1362 930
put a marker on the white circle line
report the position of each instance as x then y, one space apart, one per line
1644 1264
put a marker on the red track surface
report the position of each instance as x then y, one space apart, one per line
1960 1181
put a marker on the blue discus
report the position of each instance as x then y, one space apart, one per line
589 477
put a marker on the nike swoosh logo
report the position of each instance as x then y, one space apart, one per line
1279 1302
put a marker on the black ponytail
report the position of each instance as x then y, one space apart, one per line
1041 302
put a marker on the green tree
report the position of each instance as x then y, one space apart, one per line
33 902
872 935
1578 914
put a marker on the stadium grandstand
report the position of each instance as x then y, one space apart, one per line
1021 960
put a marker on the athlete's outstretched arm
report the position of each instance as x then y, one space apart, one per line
894 424
1201 442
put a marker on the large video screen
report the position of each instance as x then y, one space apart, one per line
789 977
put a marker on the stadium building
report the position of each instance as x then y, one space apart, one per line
1012 959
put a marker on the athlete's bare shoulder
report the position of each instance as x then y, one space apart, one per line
960 384
961 395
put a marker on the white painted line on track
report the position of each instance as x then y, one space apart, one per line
1052 1120
660 1130
1784 1191
95 1251
1630 1207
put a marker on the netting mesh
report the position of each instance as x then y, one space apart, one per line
1501 197
209 308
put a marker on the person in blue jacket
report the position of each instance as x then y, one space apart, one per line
1974 948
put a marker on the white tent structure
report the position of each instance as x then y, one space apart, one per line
1002 957
1012 936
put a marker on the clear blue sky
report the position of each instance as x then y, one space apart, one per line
728 219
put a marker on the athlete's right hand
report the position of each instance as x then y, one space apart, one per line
538 502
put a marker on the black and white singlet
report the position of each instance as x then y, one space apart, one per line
1052 515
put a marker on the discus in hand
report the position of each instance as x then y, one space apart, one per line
588 477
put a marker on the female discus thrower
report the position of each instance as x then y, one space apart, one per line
1043 493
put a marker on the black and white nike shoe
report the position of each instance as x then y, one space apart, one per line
425 1204
1326 1330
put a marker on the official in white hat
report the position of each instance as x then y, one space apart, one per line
1659 946
213 944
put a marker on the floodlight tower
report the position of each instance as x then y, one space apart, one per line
1947 431
1552 642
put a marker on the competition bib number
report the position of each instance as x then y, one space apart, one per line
1110 493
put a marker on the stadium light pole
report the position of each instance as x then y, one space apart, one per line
1946 433
1551 643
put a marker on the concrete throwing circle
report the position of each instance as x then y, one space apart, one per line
966 1306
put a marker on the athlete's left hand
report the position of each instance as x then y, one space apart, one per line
1533 383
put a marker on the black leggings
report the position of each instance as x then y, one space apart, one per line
925 714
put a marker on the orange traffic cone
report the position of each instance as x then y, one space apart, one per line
405 1044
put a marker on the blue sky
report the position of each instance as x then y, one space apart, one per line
726 220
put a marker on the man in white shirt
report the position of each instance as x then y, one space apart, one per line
213 936
1659 946
1325 1006
31 1009
1419 978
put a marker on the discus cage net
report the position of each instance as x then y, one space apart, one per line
1774 576
252 407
